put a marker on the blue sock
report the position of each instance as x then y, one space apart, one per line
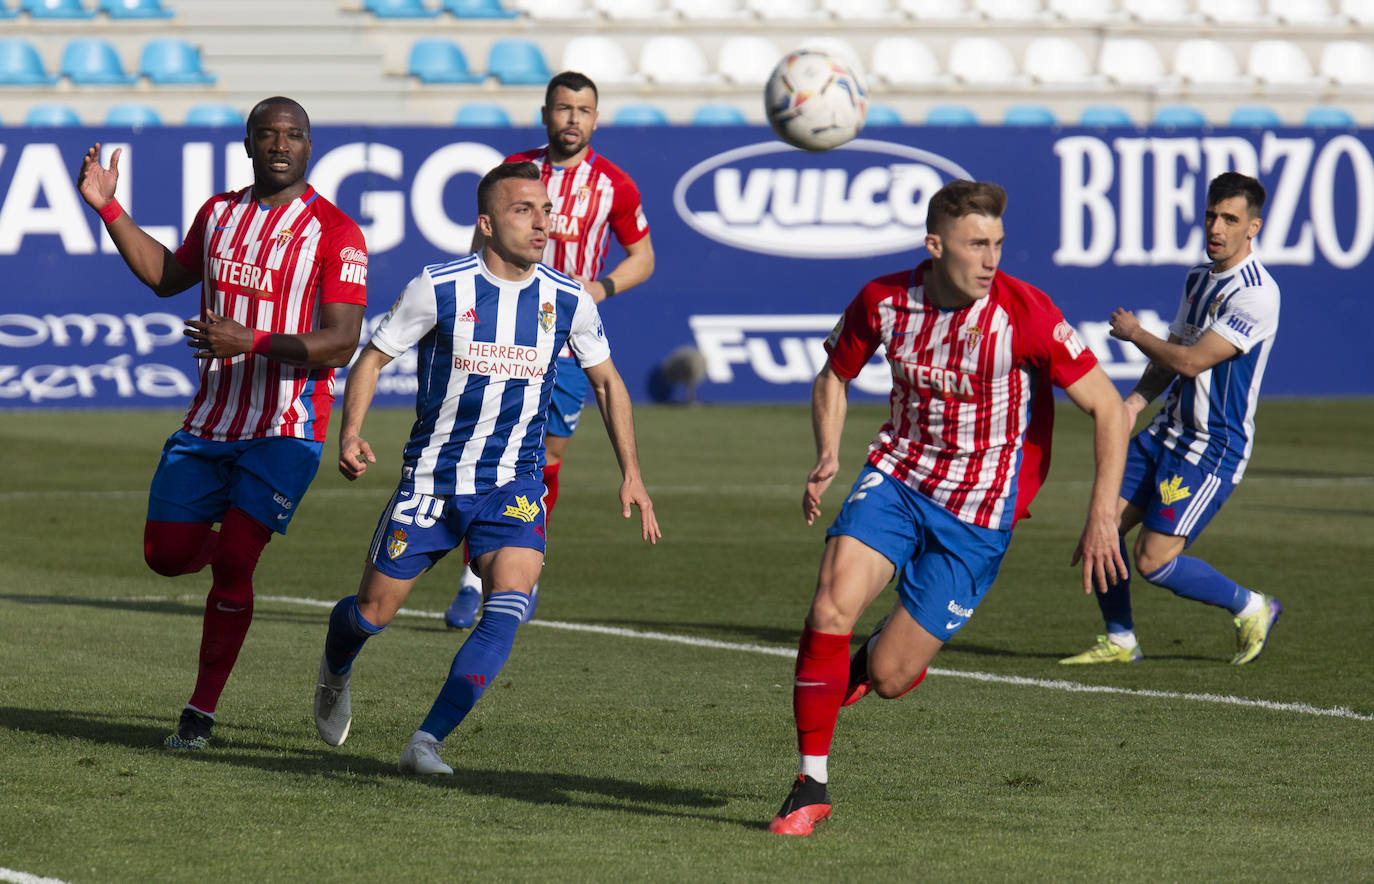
477 662
348 630
1115 603
1195 579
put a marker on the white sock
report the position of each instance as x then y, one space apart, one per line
1122 639
814 766
1252 606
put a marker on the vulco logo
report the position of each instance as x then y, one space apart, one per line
869 198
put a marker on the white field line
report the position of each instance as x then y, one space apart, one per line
26 878
734 489
1052 684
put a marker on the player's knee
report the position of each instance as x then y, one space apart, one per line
167 561
1149 561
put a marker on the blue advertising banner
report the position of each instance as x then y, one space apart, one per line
759 246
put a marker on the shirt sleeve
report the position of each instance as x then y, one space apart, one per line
343 264
191 253
1050 343
856 337
627 213
587 337
410 318
1249 317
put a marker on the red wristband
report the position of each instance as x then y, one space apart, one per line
262 342
110 211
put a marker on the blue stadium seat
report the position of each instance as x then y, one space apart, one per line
93 62
20 65
639 115
475 114
399 9
1179 116
1255 116
719 114
517 62
440 61
479 9
213 115
51 115
951 115
172 61
1324 116
1029 115
135 9
56 9
135 115
882 115
1102 115
6 12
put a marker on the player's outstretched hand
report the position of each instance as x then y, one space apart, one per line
217 337
633 494
1124 324
354 456
816 482
94 181
1099 549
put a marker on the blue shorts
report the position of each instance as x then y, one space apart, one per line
1178 497
417 530
944 566
569 392
198 480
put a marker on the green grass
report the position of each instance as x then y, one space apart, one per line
608 758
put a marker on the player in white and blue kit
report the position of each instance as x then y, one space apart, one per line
488 327
1186 462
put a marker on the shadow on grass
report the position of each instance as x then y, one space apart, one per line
532 787
175 606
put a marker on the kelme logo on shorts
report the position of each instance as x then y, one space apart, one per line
1170 492
523 509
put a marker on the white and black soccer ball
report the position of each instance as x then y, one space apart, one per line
814 100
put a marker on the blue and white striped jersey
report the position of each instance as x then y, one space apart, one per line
1212 417
486 369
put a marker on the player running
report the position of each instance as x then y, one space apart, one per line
973 354
489 327
283 279
1181 468
592 197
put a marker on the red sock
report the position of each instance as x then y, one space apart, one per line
822 676
551 489
229 607
175 548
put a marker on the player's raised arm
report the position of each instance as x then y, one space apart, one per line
613 399
151 261
829 404
1099 548
354 452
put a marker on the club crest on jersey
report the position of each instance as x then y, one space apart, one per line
972 335
523 509
581 200
397 543
284 236
1173 490
548 318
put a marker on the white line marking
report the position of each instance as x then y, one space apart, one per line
26 878
775 651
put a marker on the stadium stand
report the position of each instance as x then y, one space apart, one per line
675 61
400 9
52 115
135 9
982 61
747 60
1029 115
1256 116
1207 63
1347 63
713 11
599 57
951 115
210 114
56 9
1130 61
1058 62
20 65
1179 116
1280 64
1105 115
718 114
6 12
440 61
133 115
478 9
539 10
173 61
905 62
639 115
1009 10
481 114
1327 117
90 61
883 115
518 62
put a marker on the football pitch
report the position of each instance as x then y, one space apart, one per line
642 729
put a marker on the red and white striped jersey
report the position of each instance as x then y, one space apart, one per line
972 409
590 200
270 269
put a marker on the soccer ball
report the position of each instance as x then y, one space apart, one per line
814 101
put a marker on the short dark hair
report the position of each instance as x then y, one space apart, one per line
1229 184
571 80
963 197
262 107
506 170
